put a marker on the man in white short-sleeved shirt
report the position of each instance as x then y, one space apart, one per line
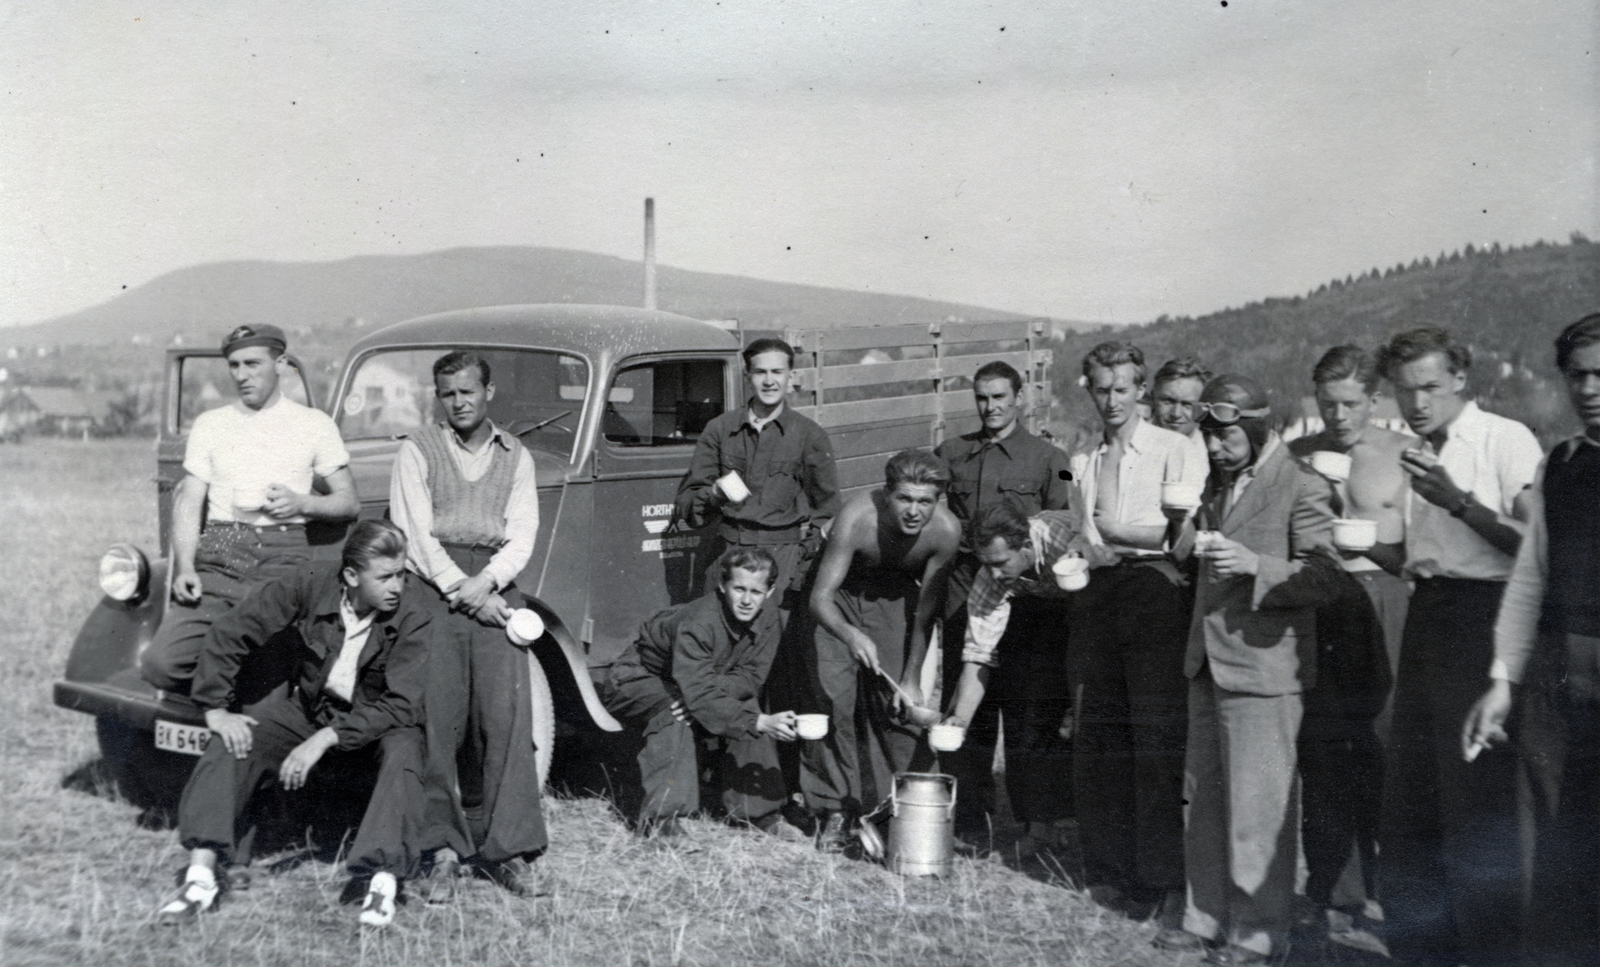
1451 874
250 466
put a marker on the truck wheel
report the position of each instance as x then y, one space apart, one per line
145 776
544 717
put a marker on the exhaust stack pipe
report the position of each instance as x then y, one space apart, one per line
649 253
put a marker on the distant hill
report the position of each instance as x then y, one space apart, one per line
1508 305
200 302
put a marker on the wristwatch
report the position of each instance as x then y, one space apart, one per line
1462 506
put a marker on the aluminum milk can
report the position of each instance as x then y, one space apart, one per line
922 827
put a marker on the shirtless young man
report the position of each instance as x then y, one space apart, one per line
1345 726
875 596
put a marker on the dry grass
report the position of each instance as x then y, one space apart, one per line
80 880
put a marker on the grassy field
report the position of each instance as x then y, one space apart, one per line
80 880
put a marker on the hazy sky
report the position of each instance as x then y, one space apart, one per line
1096 160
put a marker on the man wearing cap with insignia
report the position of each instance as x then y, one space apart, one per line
239 515
464 493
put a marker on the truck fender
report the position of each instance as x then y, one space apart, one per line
116 631
562 659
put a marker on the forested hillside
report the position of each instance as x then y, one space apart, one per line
1507 304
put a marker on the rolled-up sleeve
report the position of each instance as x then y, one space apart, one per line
988 613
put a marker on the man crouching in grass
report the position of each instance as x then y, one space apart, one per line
691 684
353 714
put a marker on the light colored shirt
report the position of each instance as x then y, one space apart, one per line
1492 458
238 452
342 678
1151 456
989 602
1247 476
1197 455
1516 628
757 423
411 509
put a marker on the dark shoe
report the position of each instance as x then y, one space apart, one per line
239 879
515 875
1231 955
355 890
833 836
668 827
1178 941
440 886
776 826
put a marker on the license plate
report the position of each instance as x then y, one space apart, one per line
184 739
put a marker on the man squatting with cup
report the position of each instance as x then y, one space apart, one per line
465 495
691 685
239 515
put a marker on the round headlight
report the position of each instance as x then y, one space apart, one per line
124 573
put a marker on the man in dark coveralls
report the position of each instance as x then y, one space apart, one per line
1001 461
354 713
1547 638
785 461
465 494
876 590
691 684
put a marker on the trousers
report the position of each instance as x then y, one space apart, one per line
233 561
1129 633
483 796
1450 870
388 771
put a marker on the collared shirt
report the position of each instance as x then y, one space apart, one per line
1244 478
238 452
1021 468
342 677
787 463
411 509
1516 628
758 423
1051 534
1197 454
1492 458
1151 456
718 667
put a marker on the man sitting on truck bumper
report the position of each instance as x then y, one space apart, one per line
249 466
691 684
354 711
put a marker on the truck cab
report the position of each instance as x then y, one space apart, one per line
610 401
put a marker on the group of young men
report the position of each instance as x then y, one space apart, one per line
1245 686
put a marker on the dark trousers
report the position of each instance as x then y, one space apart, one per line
1451 869
1341 747
1558 732
852 768
679 763
1027 696
219 791
483 794
232 561
1129 633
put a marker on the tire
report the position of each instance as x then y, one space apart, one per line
144 775
544 717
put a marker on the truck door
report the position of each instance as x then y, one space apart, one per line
198 380
644 561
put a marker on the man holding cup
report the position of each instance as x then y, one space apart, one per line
1267 564
764 473
465 495
1451 874
691 684
1126 644
1343 732
239 515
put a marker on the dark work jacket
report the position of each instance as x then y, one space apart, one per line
1028 471
1572 534
788 467
390 675
715 667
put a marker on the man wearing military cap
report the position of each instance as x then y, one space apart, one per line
239 514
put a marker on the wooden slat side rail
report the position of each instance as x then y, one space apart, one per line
878 337
830 415
906 370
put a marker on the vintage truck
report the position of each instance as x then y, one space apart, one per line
610 401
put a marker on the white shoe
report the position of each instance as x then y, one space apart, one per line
194 898
377 910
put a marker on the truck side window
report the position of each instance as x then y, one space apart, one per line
663 403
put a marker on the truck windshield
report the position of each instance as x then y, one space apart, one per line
538 395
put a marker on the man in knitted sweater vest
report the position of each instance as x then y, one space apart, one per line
464 493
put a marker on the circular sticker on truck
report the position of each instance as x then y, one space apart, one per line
355 403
